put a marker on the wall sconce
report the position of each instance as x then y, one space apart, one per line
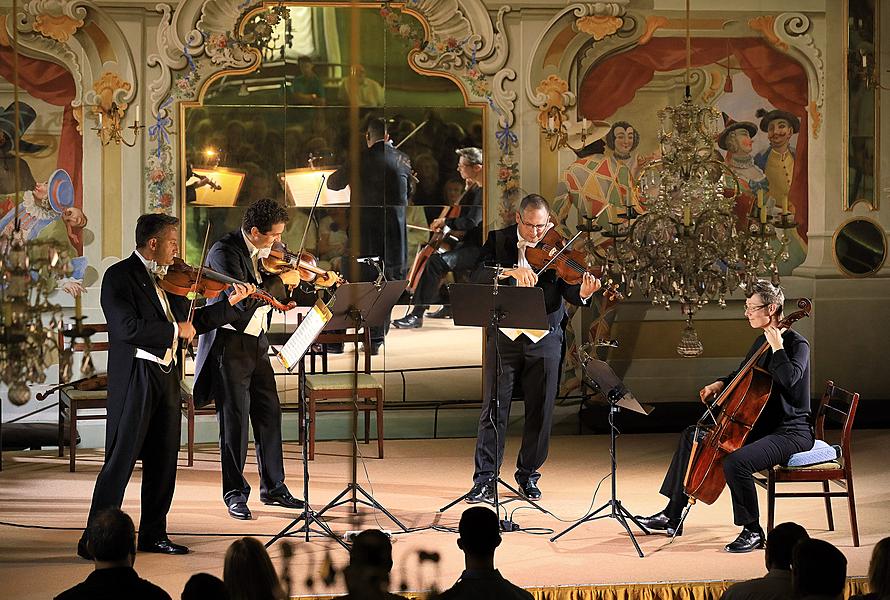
558 134
109 127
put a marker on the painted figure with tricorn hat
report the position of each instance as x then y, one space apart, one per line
777 161
9 131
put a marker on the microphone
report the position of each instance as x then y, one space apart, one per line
368 260
603 343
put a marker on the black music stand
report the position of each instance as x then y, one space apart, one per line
601 378
493 307
358 305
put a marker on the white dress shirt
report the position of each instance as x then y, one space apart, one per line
170 356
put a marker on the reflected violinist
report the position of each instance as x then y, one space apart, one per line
533 356
232 366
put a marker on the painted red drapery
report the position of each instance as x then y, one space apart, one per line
774 76
54 85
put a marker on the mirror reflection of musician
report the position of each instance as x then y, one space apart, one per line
782 429
533 357
468 224
385 184
232 366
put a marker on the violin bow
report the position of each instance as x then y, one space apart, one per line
309 218
200 273
561 250
413 131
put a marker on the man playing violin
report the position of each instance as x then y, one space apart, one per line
146 326
782 429
532 357
233 369
463 256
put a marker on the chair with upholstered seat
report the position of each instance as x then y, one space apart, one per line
324 392
837 406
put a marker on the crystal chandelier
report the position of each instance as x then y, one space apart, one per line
689 245
29 271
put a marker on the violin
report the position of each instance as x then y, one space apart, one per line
182 279
570 265
281 259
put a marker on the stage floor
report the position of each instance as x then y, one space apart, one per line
417 478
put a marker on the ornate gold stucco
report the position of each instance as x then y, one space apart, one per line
57 27
555 89
653 24
764 24
106 87
599 26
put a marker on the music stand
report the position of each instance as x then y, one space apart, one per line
600 377
493 307
358 305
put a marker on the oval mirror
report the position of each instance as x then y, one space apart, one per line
860 247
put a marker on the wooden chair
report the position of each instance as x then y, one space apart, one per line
334 391
837 406
72 401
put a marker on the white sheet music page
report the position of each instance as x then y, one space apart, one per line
291 353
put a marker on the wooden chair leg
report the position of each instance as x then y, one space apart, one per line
379 404
61 427
770 501
828 512
72 435
190 417
367 426
311 440
854 526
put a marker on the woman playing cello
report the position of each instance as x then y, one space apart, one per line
782 429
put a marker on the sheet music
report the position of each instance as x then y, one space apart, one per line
299 342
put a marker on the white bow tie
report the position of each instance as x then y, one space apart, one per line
521 243
156 269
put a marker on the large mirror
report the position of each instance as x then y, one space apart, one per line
274 132
863 100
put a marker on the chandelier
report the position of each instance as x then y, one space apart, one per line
29 271
689 244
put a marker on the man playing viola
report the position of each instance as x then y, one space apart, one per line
464 255
782 429
145 328
233 369
533 357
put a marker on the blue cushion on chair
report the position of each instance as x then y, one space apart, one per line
821 452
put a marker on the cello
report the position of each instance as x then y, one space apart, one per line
440 241
740 404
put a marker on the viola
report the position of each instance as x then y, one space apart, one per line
740 404
281 260
570 265
182 279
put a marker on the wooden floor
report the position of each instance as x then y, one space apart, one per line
43 507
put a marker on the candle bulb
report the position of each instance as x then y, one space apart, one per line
763 215
137 114
785 203
551 123
100 120
584 124
760 199
78 309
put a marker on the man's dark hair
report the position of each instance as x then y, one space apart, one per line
264 214
377 128
201 586
533 202
780 544
479 531
151 225
818 568
371 548
111 535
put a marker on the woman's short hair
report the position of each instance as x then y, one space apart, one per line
771 294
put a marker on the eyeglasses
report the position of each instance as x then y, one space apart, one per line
754 308
538 227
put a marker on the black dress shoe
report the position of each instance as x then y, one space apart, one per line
83 551
481 492
530 490
661 522
442 313
239 510
162 546
411 321
747 541
282 498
